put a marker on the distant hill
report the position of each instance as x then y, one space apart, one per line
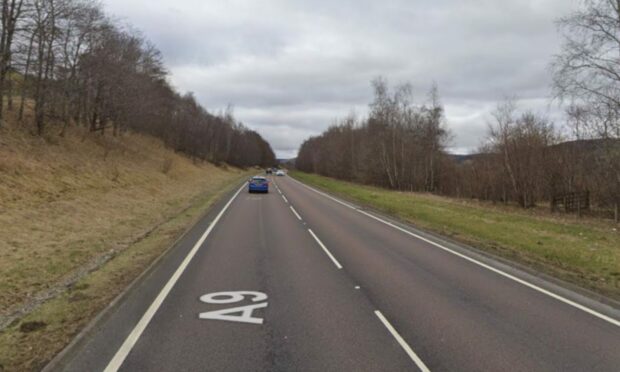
461 158
587 146
289 162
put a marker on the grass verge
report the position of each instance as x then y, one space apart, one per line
586 254
28 344
82 216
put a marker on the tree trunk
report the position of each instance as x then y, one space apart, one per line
9 92
25 81
38 97
10 14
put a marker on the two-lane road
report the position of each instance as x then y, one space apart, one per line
295 280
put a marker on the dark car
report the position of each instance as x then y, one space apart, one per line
258 184
268 171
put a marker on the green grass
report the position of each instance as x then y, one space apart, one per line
585 253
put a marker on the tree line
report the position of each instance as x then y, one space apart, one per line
76 66
526 160
523 159
398 146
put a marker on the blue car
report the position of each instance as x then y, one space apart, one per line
258 184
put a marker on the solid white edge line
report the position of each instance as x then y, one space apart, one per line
295 212
135 334
479 263
502 273
326 195
416 359
334 260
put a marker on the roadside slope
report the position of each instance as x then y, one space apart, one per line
82 216
585 254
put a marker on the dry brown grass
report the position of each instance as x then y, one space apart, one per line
81 216
70 203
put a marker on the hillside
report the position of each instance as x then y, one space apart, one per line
586 147
71 205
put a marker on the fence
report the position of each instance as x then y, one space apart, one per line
571 202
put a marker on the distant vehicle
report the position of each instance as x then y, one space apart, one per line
280 172
268 171
258 184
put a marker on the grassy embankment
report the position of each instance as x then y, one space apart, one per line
585 253
81 217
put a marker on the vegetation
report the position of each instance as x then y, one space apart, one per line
65 250
523 160
90 126
586 254
399 146
79 68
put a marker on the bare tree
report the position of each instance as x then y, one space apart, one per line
76 65
522 142
399 145
587 73
11 12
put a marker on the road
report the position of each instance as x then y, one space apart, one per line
316 284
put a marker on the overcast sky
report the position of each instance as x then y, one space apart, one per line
291 67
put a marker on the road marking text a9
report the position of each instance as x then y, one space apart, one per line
229 297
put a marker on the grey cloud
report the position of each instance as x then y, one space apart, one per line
292 67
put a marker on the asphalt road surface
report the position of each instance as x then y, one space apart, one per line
295 280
